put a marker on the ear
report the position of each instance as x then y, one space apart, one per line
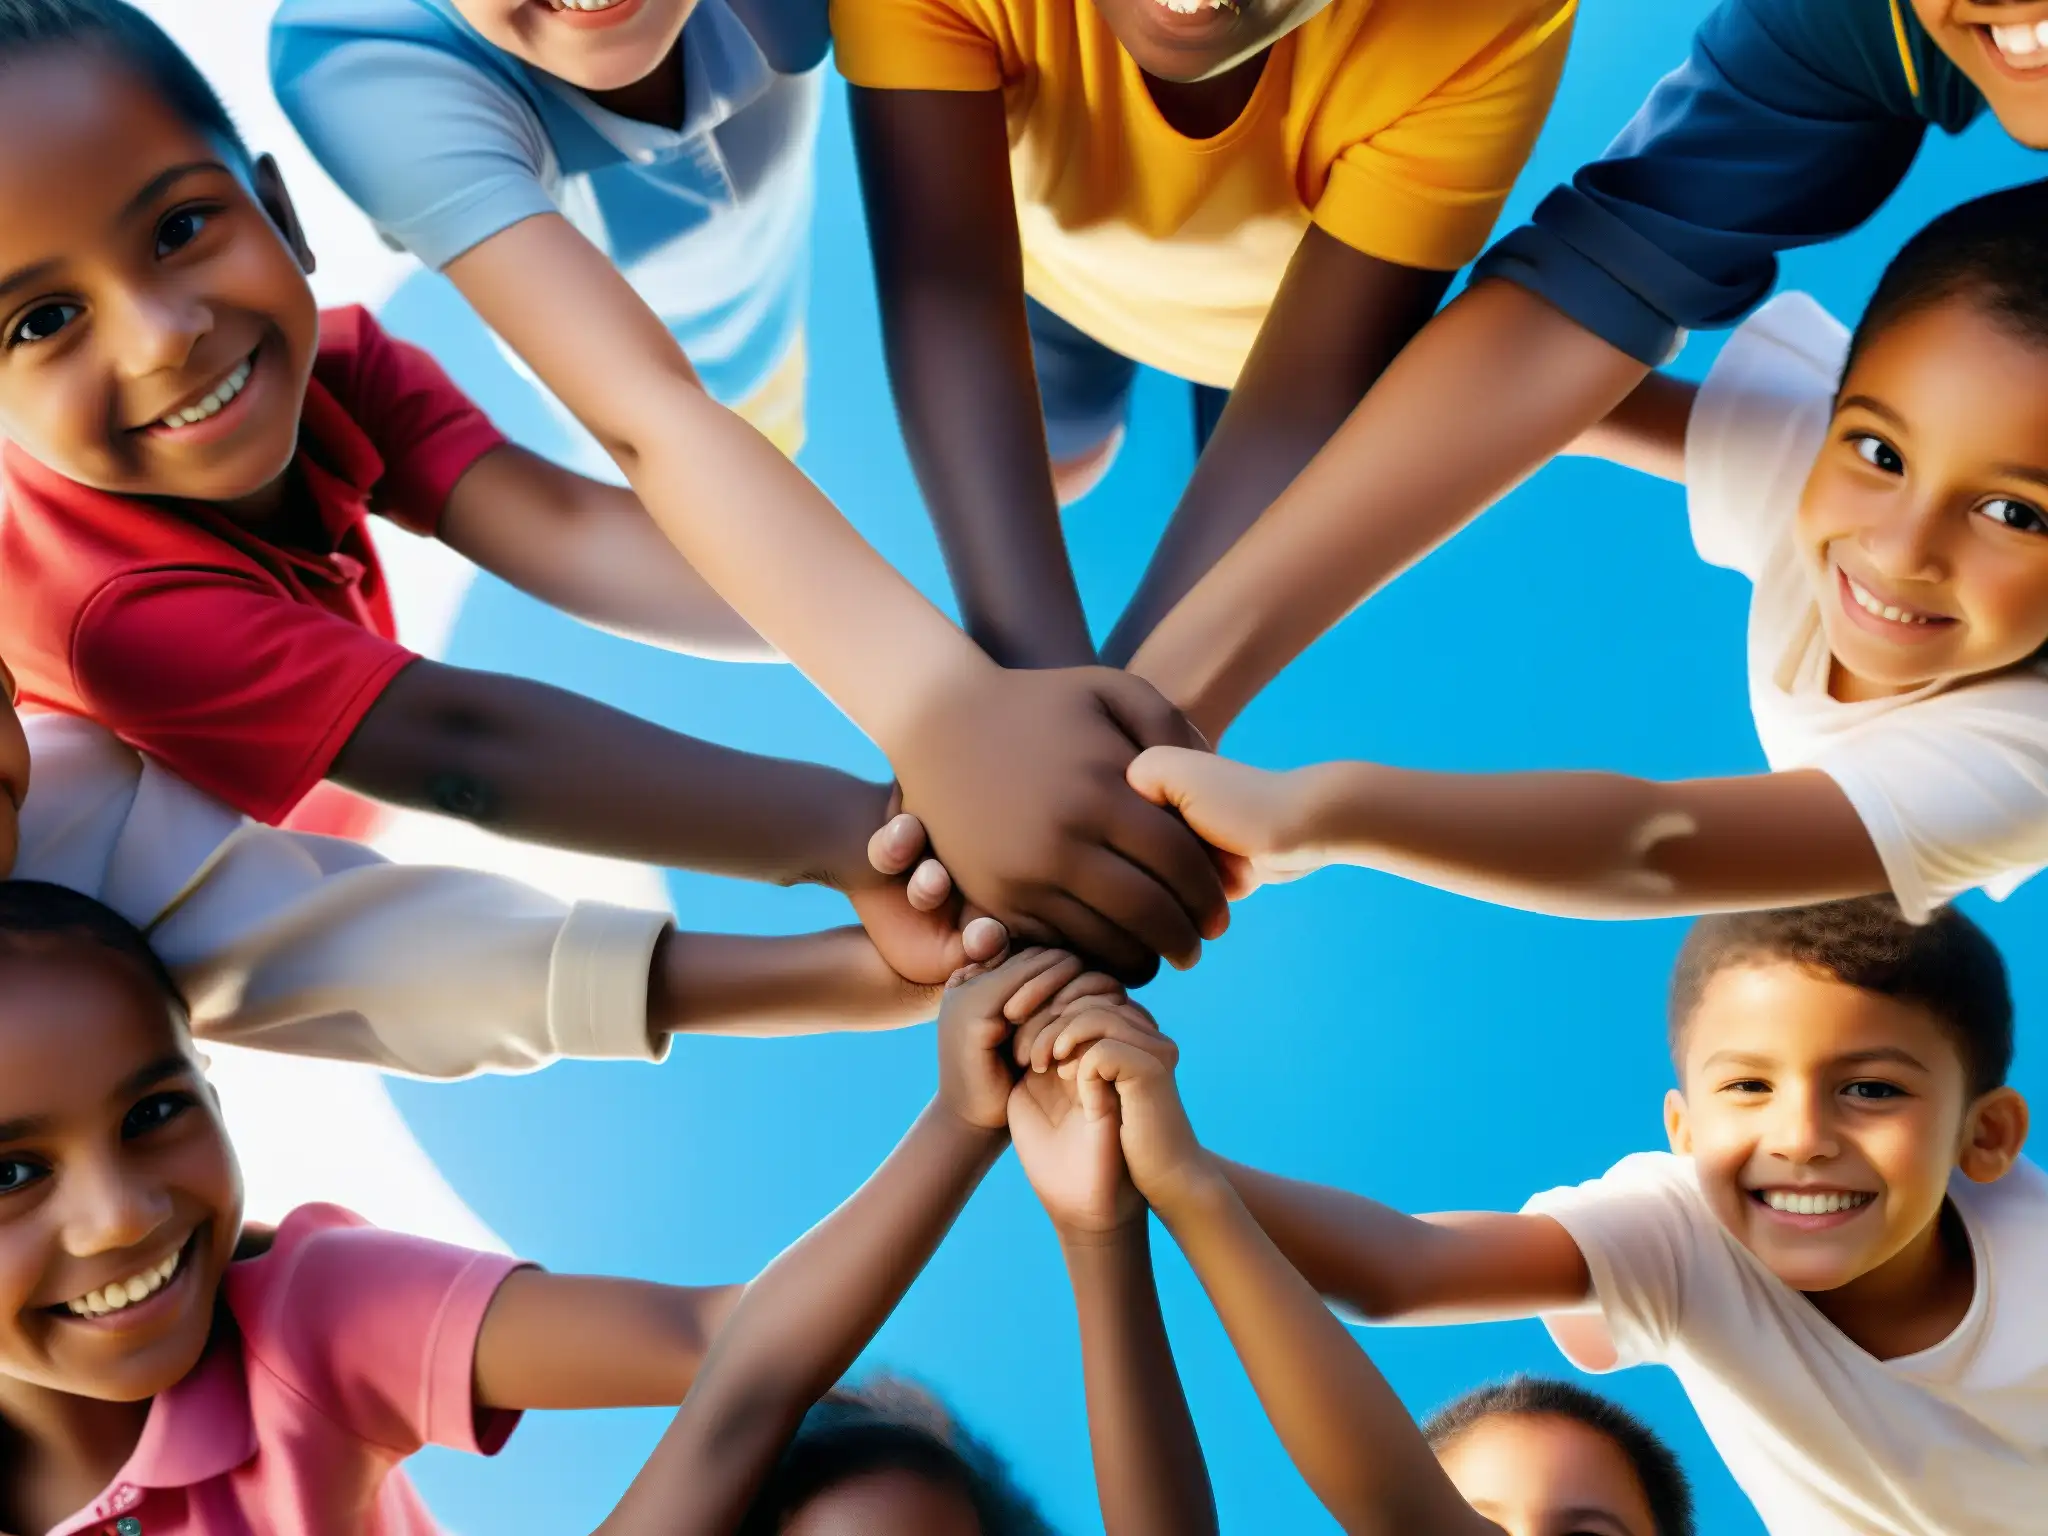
1993 1135
277 202
1677 1128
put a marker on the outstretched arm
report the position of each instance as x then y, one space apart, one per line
1572 844
935 175
1337 321
1412 465
1343 1427
805 1319
1647 430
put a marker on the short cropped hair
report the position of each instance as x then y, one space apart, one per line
35 915
1946 965
130 38
890 1425
1663 1480
1991 251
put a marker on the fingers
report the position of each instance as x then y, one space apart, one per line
1041 983
897 844
1156 773
984 939
1143 907
1161 846
1091 987
1145 715
1085 1027
1109 946
1103 1066
929 887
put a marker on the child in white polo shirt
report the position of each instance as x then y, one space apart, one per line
1884 493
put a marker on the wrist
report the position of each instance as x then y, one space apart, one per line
852 818
960 1129
1324 806
924 702
1190 1190
1128 1236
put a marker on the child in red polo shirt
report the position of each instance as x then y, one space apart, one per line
194 451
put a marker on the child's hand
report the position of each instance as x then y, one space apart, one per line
1250 817
1133 1086
1020 781
976 1016
1075 1163
918 924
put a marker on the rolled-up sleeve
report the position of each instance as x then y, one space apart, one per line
1751 147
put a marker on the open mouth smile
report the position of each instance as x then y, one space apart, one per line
133 1299
2021 47
208 407
1878 614
1812 1210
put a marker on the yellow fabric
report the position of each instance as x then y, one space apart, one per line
1905 50
776 408
1397 125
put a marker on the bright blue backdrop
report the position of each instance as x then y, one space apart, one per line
1424 1049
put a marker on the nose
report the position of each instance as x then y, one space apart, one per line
1802 1126
154 329
1909 544
109 1206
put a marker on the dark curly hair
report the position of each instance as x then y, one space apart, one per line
1946 965
1663 1480
890 1425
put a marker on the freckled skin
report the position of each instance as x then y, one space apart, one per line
1547 1476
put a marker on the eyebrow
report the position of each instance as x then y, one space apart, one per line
2027 472
1877 1053
163 1068
146 194
1875 407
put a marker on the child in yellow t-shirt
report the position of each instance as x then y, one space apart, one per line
1266 199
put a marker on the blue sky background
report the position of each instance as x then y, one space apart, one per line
1423 1049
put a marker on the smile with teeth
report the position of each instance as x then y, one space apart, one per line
2023 46
585 5
1869 602
126 1293
212 403
1795 1202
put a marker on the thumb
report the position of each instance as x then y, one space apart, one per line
897 844
1145 715
1161 775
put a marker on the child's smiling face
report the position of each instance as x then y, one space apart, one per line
2002 46
1547 1475
595 45
156 328
115 1176
1922 522
1824 1122
1186 40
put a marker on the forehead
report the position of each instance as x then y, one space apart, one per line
1531 1465
80 134
76 1021
1779 1012
892 1503
1953 364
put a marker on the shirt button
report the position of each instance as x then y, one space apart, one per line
127 1525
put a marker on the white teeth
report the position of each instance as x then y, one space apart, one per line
587 5
1869 604
1795 1204
2024 45
125 1293
225 391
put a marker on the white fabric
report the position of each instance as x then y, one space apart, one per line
1824 1437
1951 782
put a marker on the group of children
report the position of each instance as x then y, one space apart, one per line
1267 200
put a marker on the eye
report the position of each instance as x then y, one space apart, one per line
2010 513
154 1112
1873 1090
17 1173
1877 453
42 322
180 229
1746 1085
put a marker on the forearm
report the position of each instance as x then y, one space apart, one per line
1491 389
534 762
804 984
797 1329
1345 1430
1647 430
1595 845
1149 1472
1339 319
1348 1248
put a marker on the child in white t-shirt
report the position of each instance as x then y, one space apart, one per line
1884 493
1843 1257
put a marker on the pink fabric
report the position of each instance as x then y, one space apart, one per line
350 1348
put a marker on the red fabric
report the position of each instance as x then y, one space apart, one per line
349 1349
242 665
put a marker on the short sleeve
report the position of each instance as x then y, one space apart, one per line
1759 421
439 151
378 1330
1774 133
1953 789
236 689
1424 190
914 45
1639 1227
428 432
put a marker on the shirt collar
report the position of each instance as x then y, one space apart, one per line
201 1428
